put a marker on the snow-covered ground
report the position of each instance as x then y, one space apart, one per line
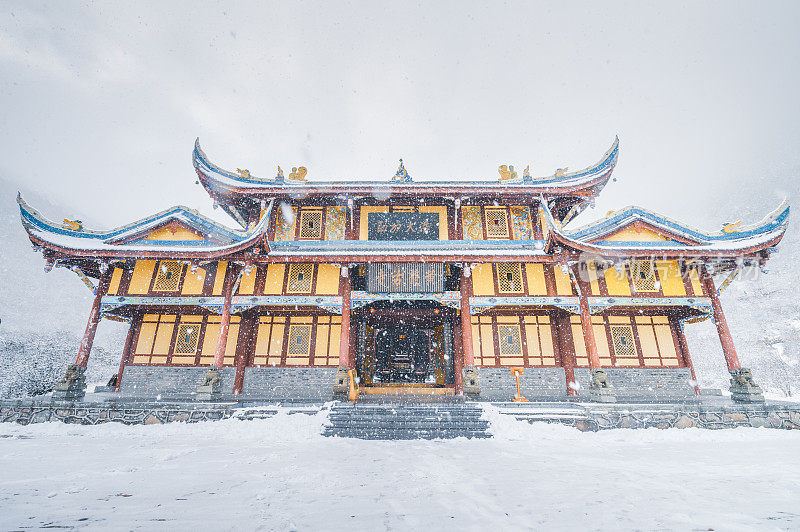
279 474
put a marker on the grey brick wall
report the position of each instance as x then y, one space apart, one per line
643 384
497 384
268 384
171 383
288 384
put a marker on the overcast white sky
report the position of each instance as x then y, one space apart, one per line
100 103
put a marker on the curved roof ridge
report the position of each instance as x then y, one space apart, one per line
177 212
626 215
756 237
231 180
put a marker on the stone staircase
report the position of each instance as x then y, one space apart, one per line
406 421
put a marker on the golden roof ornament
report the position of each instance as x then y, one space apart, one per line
245 174
75 225
731 227
298 174
507 172
526 174
561 172
279 176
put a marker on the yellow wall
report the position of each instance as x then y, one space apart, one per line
483 280
247 284
594 284
116 277
536 284
219 280
631 234
694 277
173 233
669 273
563 282
327 279
617 281
273 285
193 282
142 274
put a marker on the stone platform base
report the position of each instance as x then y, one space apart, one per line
711 413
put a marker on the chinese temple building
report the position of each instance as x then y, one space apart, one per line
481 289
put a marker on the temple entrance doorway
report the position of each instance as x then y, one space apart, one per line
405 344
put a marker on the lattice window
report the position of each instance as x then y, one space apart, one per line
188 335
300 278
510 340
509 277
496 222
311 224
622 338
155 336
299 340
168 276
644 276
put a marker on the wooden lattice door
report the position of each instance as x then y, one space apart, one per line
368 355
438 354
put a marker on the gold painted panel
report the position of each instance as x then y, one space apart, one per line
335 217
471 225
521 222
285 228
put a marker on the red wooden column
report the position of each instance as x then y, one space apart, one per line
679 333
345 355
248 329
722 325
563 331
586 323
94 319
219 356
466 318
126 351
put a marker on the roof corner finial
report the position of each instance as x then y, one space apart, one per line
526 175
279 175
401 175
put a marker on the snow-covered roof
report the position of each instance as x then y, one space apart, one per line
130 240
680 239
224 181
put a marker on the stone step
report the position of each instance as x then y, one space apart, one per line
406 421
411 426
404 434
